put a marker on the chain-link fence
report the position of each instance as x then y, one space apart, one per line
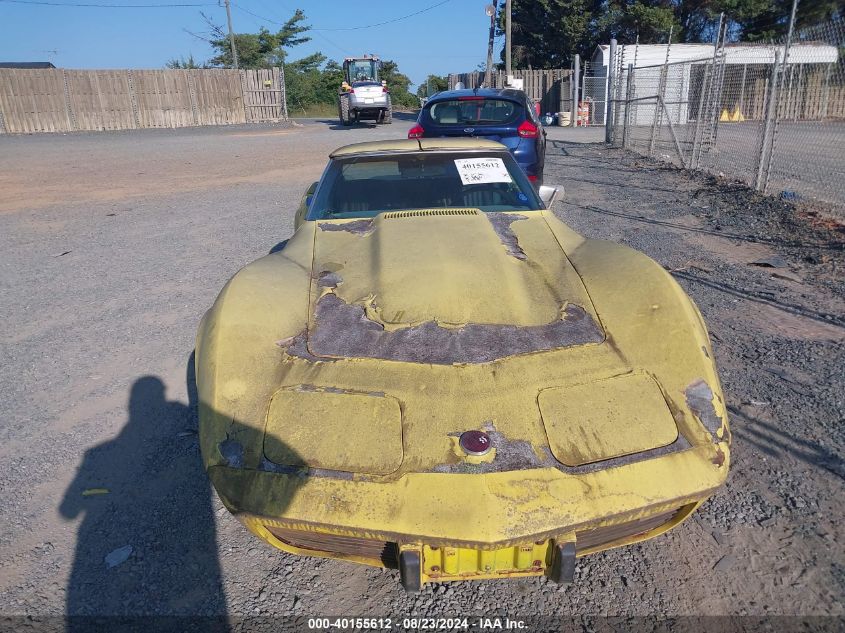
593 94
771 115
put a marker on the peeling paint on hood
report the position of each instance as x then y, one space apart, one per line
446 289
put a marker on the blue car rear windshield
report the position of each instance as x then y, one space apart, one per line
474 111
364 186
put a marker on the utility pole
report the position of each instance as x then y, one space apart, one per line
231 34
491 11
508 4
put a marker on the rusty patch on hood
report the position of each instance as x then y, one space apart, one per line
502 225
297 346
699 397
357 227
343 330
329 279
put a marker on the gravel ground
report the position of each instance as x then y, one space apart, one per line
114 245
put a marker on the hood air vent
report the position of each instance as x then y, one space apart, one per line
427 212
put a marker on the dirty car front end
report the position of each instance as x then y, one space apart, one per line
337 377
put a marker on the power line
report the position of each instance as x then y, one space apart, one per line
111 6
255 15
351 28
404 17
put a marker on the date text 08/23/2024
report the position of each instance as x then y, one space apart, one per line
416 624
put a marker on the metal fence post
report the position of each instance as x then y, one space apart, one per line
611 71
771 106
707 88
629 90
786 47
584 91
661 86
617 90
577 71
717 100
699 117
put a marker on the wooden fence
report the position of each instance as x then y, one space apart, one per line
808 92
58 100
549 87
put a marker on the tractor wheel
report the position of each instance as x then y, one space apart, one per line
343 110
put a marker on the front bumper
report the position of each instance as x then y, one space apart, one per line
449 563
473 526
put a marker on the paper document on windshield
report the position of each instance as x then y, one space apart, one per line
475 171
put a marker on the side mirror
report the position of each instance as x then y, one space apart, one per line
550 194
302 211
309 193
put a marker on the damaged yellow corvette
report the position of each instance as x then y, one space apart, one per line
435 374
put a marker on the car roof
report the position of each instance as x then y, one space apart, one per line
416 145
508 93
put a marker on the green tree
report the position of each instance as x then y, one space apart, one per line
398 84
548 33
626 19
431 85
258 50
769 19
181 62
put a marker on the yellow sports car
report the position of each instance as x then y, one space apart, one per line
436 374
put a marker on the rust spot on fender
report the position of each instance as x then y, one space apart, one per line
719 457
699 397
343 330
232 451
302 471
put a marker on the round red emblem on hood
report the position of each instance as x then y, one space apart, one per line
475 443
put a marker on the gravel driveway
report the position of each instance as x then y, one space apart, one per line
114 244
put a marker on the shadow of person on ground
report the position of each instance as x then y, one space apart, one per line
146 544
774 442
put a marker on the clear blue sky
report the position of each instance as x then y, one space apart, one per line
448 38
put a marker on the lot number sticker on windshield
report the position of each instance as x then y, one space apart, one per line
475 171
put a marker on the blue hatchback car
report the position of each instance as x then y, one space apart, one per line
503 115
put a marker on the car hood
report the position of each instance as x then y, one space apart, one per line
367 347
444 286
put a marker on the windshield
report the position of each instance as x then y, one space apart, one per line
474 111
364 186
363 70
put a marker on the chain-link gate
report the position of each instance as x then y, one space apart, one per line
592 105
